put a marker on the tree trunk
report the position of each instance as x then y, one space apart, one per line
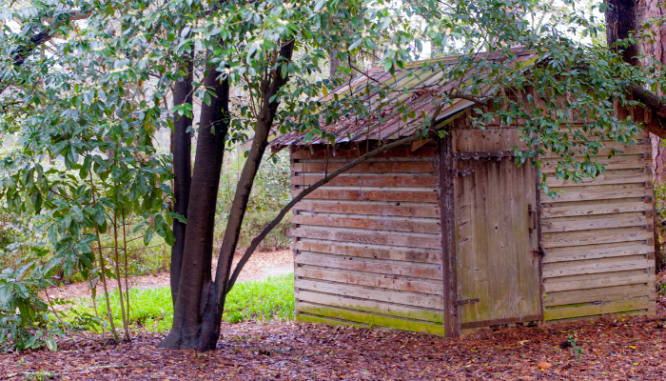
654 9
265 119
624 18
196 291
182 170
620 23
649 9
334 63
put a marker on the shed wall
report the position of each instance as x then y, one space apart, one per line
598 238
368 244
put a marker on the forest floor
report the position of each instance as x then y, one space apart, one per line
605 348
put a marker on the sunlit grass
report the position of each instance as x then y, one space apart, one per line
151 309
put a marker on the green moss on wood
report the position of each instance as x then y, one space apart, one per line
588 309
370 319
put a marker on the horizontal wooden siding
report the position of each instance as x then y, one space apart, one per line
367 245
598 238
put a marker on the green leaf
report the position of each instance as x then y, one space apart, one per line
51 344
148 236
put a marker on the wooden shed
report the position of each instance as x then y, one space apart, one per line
451 235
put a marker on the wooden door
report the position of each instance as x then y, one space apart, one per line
497 261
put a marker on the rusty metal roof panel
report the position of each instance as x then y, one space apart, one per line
388 122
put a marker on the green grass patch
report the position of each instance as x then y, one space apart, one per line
151 309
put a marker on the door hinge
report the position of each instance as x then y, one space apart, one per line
466 301
464 172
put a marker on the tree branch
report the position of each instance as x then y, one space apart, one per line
21 53
273 83
257 240
470 98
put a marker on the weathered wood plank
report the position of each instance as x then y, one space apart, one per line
594 252
404 298
616 306
370 208
582 223
471 259
551 240
371 319
589 281
355 151
371 251
305 180
595 266
329 321
424 195
602 179
430 227
369 280
369 237
406 269
594 194
596 295
371 306
381 167
628 162
635 149
593 209
486 140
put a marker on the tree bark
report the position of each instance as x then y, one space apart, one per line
655 9
182 170
620 23
334 64
649 9
624 18
196 291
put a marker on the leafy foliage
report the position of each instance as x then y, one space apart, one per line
24 320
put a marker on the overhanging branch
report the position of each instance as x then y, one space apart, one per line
283 212
21 53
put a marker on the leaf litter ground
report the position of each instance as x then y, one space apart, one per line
605 348
612 348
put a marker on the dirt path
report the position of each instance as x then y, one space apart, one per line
260 266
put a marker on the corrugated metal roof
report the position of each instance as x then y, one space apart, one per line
414 86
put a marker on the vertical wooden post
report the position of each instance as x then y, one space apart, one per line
446 183
539 248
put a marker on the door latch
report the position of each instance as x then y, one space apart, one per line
466 301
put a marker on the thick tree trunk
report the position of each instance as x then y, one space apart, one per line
182 171
620 23
624 18
655 9
200 301
196 291
649 9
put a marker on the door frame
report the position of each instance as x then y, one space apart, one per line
447 173
447 215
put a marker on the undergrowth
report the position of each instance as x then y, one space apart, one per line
151 309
